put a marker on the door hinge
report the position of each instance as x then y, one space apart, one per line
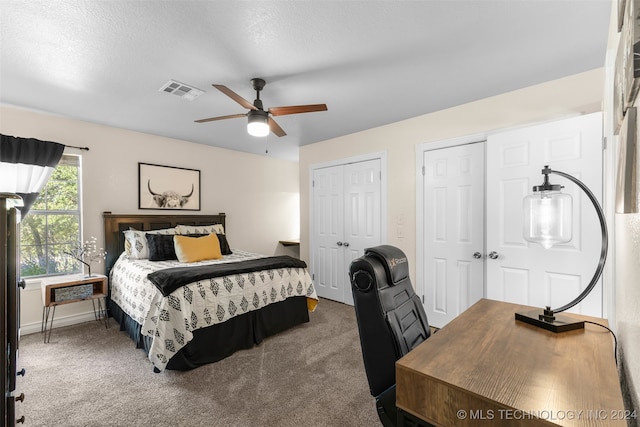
313 276
422 299
313 183
604 143
423 171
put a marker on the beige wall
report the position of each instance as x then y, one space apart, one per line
259 194
578 94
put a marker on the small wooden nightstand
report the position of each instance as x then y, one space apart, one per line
61 290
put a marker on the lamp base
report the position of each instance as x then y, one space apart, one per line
549 321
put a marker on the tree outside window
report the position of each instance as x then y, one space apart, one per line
53 224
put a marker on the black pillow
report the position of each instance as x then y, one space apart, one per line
224 245
161 247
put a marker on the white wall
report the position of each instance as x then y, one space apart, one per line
259 194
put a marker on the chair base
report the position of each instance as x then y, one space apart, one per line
405 419
386 407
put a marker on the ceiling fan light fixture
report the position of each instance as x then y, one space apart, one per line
259 121
258 124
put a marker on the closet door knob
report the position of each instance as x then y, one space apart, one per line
477 255
493 255
339 243
346 244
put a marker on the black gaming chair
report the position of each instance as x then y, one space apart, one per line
391 320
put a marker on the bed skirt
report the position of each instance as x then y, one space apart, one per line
216 342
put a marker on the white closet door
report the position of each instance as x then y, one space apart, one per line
347 213
453 209
523 272
361 212
328 213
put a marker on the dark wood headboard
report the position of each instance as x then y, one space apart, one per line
115 224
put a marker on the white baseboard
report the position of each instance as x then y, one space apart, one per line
59 322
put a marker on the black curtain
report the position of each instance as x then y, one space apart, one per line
26 165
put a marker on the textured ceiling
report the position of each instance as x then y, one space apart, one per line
371 62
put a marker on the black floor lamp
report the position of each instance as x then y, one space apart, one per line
547 220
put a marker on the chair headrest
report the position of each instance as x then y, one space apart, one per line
394 261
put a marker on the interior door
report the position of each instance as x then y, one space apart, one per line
361 213
525 273
454 230
347 212
328 214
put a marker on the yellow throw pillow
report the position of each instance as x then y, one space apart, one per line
192 249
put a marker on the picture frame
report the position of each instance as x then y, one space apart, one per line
168 187
619 90
630 37
621 11
628 179
626 84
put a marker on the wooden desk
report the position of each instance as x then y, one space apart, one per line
487 369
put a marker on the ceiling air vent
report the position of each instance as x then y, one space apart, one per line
182 90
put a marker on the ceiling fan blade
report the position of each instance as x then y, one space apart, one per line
213 119
296 109
231 94
275 128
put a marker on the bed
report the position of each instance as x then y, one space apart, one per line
182 326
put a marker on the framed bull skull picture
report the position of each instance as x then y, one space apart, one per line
168 187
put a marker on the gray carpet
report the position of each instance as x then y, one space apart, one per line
311 375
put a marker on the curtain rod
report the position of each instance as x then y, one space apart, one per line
79 148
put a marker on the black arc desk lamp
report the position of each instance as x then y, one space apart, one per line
547 220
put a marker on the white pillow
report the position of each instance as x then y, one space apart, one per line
200 229
172 230
135 241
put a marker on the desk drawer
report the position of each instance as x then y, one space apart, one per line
68 293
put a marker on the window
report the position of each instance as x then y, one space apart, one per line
53 224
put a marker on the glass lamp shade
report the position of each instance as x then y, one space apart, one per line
258 124
547 218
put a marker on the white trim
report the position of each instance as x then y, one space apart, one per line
60 321
446 143
609 175
382 155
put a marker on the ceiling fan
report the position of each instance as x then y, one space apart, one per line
260 121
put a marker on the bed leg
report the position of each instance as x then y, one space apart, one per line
156 370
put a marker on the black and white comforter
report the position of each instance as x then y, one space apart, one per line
171 320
